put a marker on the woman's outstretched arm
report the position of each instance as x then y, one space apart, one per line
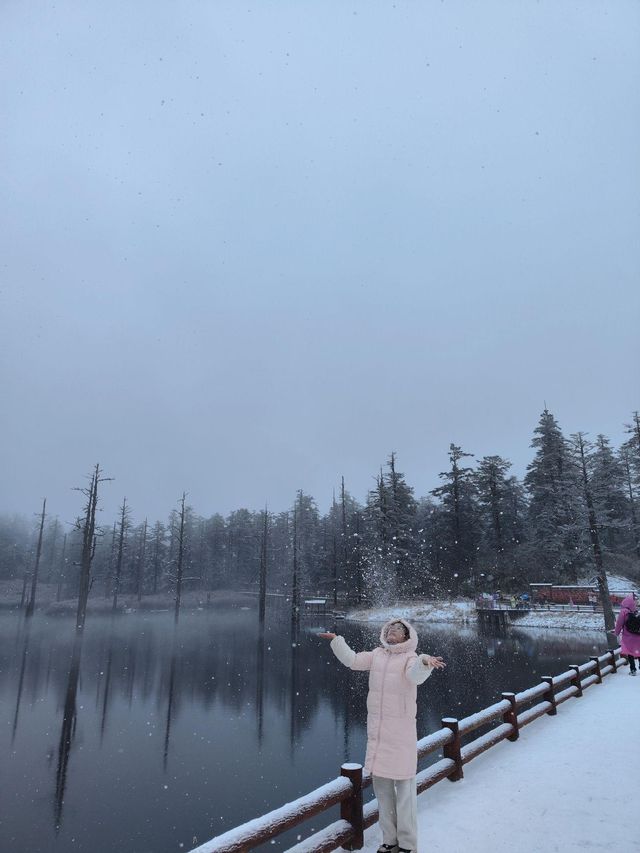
360 661
421 668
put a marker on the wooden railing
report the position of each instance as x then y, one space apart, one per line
510 715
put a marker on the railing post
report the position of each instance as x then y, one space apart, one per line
351 809
511 716
452 749
549 695
614 665
577 679
594 658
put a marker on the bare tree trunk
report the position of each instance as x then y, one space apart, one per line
262 602
88 549
121 541
295 609
180 559
34 577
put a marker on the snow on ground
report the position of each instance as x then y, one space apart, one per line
462 611
567 620
565 785
617 582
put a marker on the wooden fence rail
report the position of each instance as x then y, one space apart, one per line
511 713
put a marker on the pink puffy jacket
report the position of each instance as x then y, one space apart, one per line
394 673
629 643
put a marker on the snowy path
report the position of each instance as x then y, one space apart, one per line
565 785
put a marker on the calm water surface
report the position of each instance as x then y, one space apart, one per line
150 740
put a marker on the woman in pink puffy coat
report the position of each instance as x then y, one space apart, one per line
629 643
395 671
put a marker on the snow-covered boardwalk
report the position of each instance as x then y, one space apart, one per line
564 785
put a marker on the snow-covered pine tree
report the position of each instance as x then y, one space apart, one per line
583 457
376 578
460 532
611 503
554 548
501 508
401 516
631 492
428 547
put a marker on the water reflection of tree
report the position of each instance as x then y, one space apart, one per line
221 659
170 698
67 732
23 667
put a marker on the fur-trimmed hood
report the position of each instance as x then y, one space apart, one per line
409 645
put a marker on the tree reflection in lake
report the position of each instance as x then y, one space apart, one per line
163 735
67 732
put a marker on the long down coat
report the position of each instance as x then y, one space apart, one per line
394 673
629 643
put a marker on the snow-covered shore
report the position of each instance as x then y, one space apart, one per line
462 612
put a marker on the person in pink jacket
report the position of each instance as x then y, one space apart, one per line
395 671
629 642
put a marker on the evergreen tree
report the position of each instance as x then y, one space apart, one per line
158 556
389 547
554 537
607 486
401 517
502 508
581 451
631 493
459 533
308 541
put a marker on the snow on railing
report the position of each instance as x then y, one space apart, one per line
482 718
530 694
346 790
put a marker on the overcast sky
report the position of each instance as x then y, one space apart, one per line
247 248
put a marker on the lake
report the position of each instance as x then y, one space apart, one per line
148 739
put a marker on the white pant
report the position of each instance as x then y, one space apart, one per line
397 804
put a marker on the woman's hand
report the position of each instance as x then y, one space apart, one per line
436 663
328 636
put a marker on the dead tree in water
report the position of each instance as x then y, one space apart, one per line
262 598
179 567
88 528
34 578
295 606
124 525
334 554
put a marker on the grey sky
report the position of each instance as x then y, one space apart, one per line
247 248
